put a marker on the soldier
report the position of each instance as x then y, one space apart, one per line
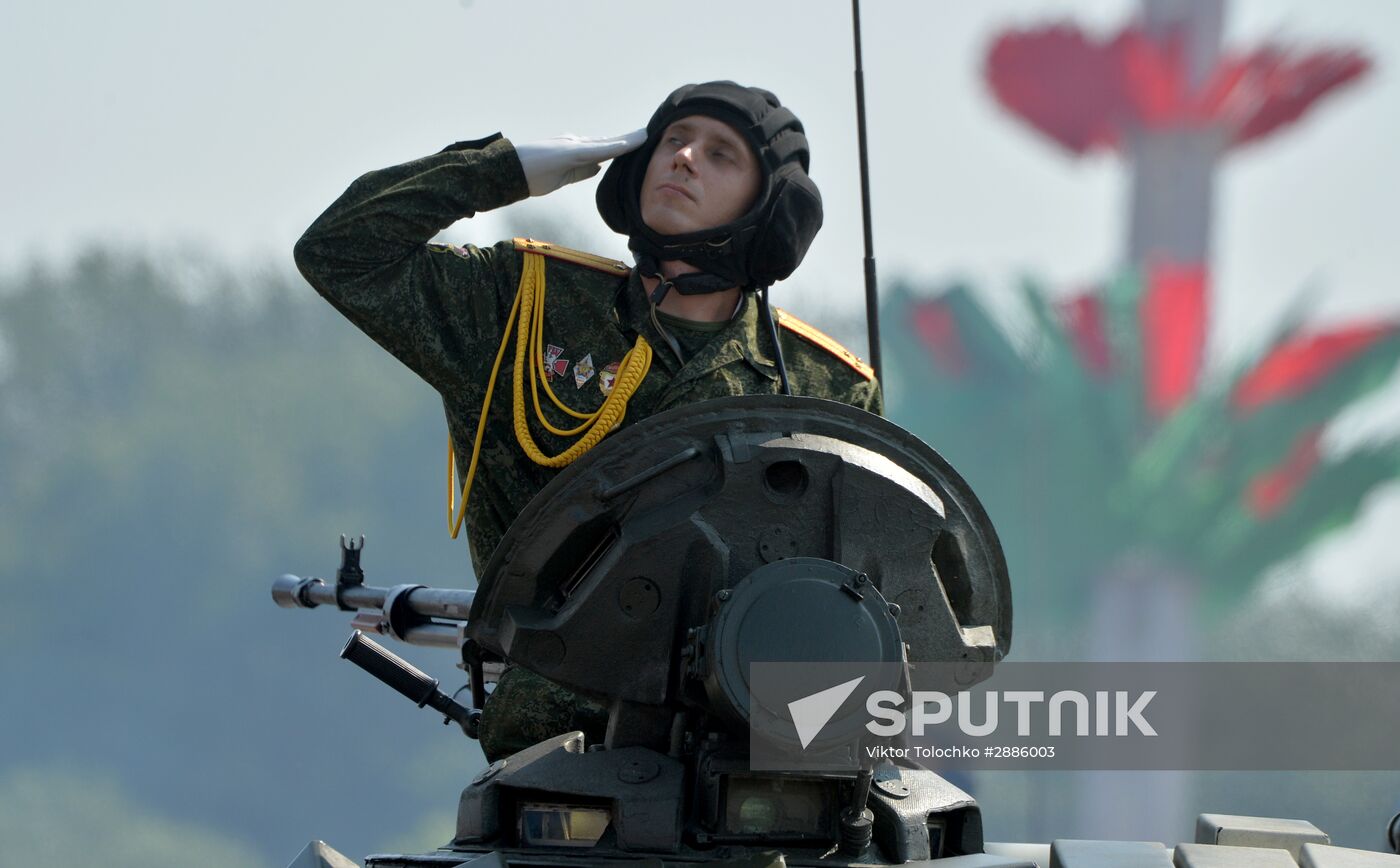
716 203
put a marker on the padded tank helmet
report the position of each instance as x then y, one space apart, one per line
761 247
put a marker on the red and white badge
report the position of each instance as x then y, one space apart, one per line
553 365
607 377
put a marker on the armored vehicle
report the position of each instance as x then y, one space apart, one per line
655 575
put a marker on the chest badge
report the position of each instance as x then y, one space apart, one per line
553 365
606 377
583 371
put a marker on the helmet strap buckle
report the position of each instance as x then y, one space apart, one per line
662 287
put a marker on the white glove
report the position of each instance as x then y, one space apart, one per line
552 163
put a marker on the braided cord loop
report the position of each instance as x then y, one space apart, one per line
526 324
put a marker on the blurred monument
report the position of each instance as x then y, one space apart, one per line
1138 496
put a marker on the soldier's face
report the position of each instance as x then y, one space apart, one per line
703 174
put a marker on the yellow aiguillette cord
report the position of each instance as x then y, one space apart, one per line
528 329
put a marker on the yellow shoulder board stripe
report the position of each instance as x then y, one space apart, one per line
577 257
813 335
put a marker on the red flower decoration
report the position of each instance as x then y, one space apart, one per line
937 330
1084 93
1083 318
1173 321
1299 364
1270 492
1271 88
1062 83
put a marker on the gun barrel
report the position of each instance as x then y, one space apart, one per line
429 635
443 603
293 592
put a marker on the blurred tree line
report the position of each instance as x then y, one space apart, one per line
165 454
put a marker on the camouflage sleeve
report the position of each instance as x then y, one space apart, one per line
526 708
438 309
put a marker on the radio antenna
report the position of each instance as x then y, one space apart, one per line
872 297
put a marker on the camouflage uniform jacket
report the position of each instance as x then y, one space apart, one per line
443 310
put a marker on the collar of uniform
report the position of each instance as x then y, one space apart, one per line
744 338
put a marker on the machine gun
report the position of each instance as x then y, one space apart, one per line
650 576
415 614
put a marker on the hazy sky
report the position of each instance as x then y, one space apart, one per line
228 127
231 125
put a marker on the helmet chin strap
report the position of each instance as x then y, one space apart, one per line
773 333
700 283
663 286
694 283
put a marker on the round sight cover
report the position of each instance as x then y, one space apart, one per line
599 581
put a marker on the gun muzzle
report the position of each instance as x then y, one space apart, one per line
291 592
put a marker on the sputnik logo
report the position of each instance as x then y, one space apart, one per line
811 713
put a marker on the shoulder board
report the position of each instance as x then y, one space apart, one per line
577 257
814 335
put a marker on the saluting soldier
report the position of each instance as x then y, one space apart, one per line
539 351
